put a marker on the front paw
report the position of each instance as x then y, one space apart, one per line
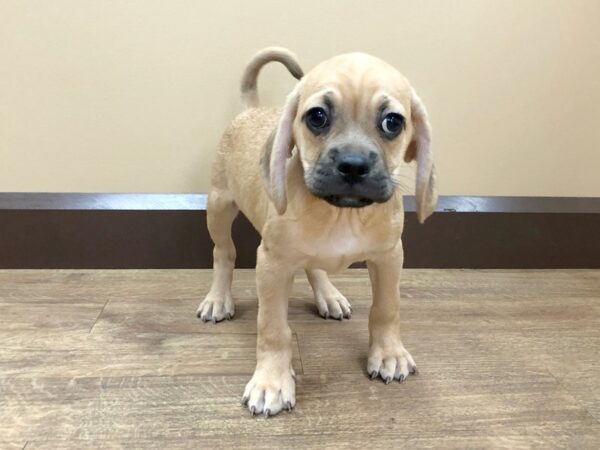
390 364
270 391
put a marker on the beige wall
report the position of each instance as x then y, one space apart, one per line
115 96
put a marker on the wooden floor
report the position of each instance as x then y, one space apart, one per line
117 359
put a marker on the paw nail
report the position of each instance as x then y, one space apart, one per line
326 316
267 412
244 401
388 380
252 410
340 317
288 406
373 374
401 378
228 316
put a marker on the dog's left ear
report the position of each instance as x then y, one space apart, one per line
426 194
283 144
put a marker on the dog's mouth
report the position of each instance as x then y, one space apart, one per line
347 201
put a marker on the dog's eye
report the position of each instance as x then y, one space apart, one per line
392 124
316 119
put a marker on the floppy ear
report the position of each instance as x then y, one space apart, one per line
420 148
283 144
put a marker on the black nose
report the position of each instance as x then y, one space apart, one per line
354 167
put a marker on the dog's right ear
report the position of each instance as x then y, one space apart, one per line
281 144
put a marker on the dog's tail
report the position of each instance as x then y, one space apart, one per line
265 56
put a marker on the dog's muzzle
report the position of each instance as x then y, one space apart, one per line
350 179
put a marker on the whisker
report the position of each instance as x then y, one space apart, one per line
403 187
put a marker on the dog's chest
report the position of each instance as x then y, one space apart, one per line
342 241
335 248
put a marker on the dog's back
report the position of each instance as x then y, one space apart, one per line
243 142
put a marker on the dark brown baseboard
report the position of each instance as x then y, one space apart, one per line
127 231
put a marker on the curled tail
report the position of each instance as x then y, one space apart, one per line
265 56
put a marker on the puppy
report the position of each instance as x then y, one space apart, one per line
318 180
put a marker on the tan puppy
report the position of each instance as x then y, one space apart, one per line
317 179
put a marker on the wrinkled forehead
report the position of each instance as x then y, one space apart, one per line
357 81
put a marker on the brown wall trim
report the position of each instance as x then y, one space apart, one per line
187 202
169 231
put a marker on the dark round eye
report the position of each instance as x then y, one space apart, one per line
392 124
317 119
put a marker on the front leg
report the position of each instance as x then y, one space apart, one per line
272 387
387 356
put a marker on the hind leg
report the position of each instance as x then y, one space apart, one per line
221 211
330 301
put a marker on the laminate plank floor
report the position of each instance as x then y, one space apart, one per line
117 359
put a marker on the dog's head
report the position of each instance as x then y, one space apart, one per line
354 120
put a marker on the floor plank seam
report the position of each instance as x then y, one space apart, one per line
575 399
99 315
187 332
190 375
299 352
